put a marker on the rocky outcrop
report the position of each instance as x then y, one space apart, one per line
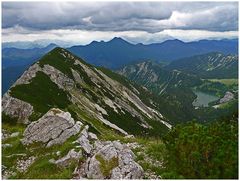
77 77
68 159
110 160
227 97
55 127
84 142
28 75
54 74
58 77
99 159
15 134
16 108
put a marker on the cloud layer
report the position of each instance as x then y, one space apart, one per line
156 20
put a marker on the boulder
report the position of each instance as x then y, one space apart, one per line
55 127
66 160
113 161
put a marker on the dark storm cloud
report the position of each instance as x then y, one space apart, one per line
121 16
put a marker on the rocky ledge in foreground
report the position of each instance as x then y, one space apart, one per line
95 159
55 127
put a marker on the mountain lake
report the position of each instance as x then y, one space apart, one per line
203 99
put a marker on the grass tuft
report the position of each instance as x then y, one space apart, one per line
106 166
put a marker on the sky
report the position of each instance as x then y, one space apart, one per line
137 22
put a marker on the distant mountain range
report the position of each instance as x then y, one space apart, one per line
16 61
35 44
118 52
12 57
113 54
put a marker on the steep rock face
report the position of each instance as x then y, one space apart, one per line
16 108
55 75
55 127
28 75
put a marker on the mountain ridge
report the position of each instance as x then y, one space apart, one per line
155 51
115 55
210 65
64 74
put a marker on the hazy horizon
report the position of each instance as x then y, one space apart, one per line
136 22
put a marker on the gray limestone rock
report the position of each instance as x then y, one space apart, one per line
55 127
28 75
66 160
84 141
58 77
126 167
6 145
5 134
16 108
92 136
